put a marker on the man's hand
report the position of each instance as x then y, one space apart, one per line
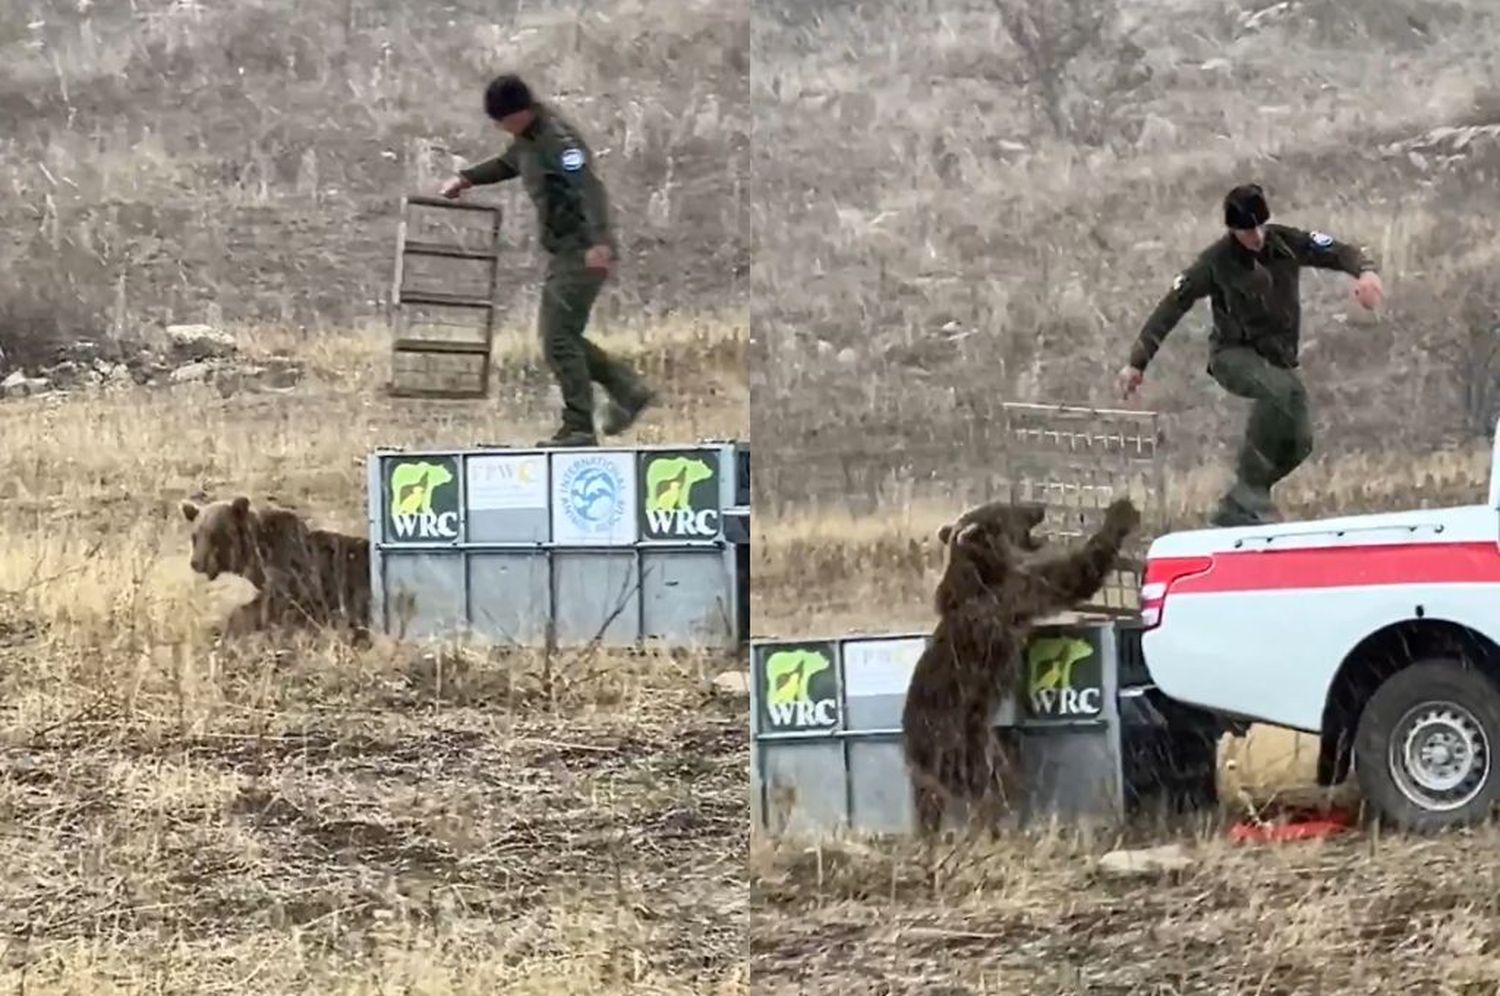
1368 290
1127 380
454 187
599 257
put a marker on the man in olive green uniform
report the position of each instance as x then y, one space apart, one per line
554 162
1250 277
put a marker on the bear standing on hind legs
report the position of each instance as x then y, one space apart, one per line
988 599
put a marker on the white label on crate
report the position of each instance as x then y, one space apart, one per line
507 483
880 667
593 499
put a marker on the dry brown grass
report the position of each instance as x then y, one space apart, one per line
203 162
1031 916
306 818
927 252
1265 761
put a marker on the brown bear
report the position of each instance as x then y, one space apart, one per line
343 562
990 594
303 577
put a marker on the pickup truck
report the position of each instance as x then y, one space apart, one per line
1380 633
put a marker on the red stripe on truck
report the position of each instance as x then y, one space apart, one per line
1346 567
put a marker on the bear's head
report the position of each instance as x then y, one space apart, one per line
223 536
986 545
997 522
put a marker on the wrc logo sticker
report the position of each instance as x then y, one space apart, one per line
572 159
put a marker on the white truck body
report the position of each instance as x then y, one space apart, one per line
1255 622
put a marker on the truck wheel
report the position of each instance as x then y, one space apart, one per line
1424 748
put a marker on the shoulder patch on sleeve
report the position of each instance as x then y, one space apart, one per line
1321 239
572 159
1179 281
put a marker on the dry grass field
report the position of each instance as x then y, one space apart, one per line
185 161
929 245
181 817
1358 916
952 216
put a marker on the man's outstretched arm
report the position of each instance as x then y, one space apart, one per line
492 170
1190 285
1324 252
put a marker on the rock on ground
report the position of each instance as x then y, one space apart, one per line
733 682
200 342
1145 862
18 385
190 373
197 354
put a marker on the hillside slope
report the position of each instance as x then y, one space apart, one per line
931 244
185 160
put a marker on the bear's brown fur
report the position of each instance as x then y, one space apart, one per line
303 577
344 564
988 598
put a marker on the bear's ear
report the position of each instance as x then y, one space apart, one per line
189 510
968 530
240 506
944 532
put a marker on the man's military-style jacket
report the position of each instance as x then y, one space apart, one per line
1254 296
555 164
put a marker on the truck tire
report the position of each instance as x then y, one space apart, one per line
1425 749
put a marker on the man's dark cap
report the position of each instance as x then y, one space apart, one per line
505 96
1245 207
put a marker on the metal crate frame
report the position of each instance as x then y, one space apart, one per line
1073 460
730 544
400 296
1072 763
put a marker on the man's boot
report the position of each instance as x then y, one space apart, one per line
566 437
619 416
1229 515
1243 505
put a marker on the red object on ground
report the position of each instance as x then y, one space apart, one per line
1298 826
